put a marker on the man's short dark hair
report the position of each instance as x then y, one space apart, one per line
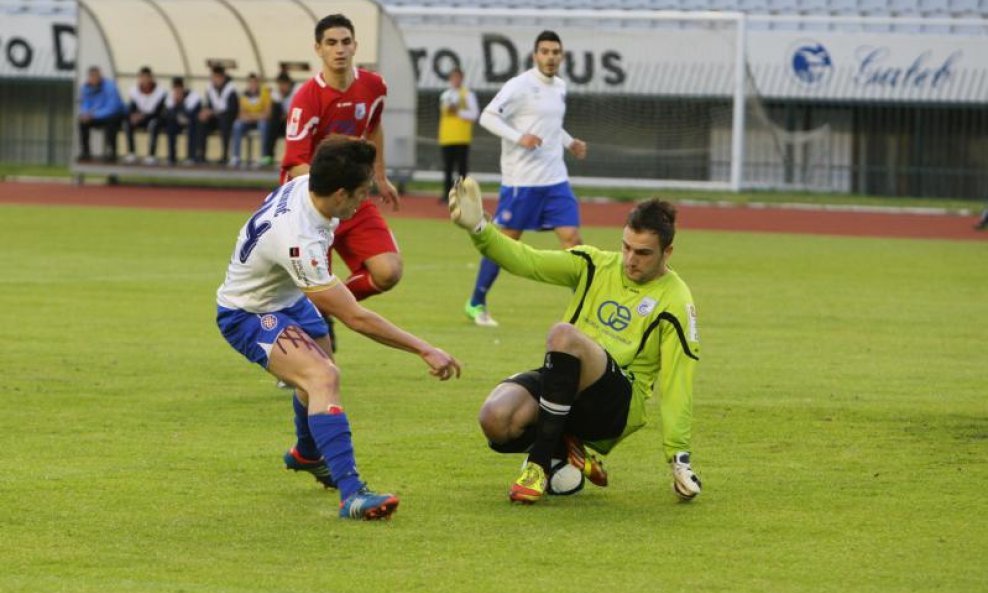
283 77
145 70
341 163
656 216
218 69
547 35
178 82
331 21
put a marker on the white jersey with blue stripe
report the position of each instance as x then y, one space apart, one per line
280 252
530 103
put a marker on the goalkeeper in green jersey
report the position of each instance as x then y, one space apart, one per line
631 323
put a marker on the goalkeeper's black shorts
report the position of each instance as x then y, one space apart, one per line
600 411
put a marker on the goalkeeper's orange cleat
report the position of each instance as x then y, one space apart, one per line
530 487
588 463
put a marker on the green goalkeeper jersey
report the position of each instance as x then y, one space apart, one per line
649 329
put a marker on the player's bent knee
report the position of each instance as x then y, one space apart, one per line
324 378
562 337
495 422
386 271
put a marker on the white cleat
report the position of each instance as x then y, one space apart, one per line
480 315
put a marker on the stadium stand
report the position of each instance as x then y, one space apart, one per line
930 8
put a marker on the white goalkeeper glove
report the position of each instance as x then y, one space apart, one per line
685 483
465 206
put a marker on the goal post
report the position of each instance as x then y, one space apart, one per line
659 96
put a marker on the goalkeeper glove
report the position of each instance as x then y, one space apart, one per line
465 206
685 483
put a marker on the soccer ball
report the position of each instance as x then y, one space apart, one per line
564 478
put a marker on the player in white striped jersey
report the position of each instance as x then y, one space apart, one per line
527 113
267 310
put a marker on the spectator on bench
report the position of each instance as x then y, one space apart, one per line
218 113
146 107
255 109
281 100
181 113
100 107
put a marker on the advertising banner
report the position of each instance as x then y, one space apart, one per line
37 41
690 60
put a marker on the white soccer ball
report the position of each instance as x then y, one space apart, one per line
564 478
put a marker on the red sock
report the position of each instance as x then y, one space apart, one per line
361 285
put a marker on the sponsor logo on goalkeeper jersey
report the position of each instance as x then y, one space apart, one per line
614 315
646 306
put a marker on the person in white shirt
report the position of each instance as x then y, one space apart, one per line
146 109
268 308
220 109
181 113
527 113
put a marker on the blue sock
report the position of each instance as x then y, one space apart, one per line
485 279
306 445
332 433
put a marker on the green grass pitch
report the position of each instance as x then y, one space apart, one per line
840 431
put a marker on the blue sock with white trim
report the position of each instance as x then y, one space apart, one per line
332 433
305 444
485 279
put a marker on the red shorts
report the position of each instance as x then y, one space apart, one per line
363 236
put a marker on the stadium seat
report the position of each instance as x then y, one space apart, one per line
783 6
694 5
874 7
904 7
753 6
966 8
934 8
844 7
814 6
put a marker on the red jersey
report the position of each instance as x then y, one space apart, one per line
319 110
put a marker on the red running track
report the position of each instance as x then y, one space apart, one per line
731 218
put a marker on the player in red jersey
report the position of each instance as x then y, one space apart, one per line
342 99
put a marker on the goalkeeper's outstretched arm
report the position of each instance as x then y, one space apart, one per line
466 209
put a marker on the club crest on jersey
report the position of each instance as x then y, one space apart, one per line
269 322
360 110
646 306
293 252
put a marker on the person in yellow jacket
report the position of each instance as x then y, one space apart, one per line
457 111
255 110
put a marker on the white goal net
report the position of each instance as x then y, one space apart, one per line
664 99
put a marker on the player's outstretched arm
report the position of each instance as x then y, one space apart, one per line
338 302
554 266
